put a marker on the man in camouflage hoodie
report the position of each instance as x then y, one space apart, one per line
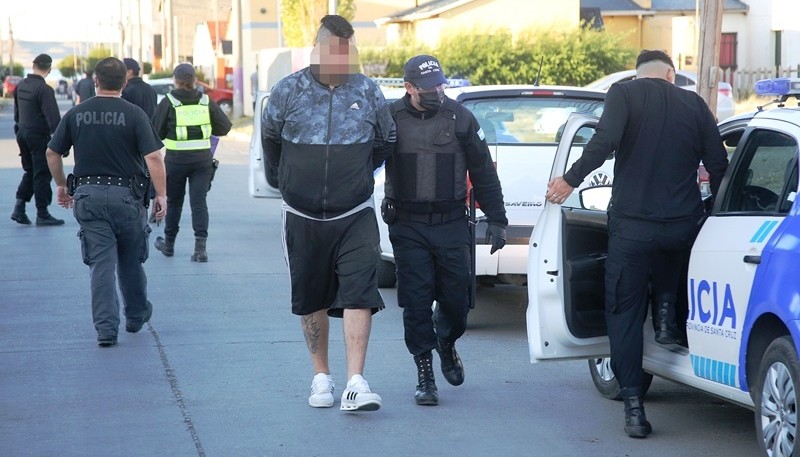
326 129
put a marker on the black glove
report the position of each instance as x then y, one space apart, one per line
496 235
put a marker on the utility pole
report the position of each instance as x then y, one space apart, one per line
238 61
332 6
10 48
710 35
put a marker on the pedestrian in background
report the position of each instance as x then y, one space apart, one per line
114 144
137 91
84 89
439 142
659 133
185 119
36 117
326 129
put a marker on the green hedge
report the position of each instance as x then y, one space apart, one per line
569 57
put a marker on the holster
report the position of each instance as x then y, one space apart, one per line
388 211
71 184
214 166
140 187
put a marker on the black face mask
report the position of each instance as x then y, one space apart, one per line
432 101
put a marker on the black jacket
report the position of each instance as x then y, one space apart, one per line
164 123
35 106
326 143
141 94
660 133
468 133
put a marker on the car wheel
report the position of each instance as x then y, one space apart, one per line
776 398
606 382
387 275
227 107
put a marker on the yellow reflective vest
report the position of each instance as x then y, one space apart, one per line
190 116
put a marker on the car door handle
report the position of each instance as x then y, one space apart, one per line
754 259
552 272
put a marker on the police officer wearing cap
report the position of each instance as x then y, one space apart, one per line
113 142
36 116
185 119
137 91
439 142
659 134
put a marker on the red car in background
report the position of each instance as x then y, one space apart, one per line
9 84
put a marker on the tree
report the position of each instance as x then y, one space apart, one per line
300 19
69 66
96 55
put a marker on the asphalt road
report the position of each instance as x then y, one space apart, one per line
222 370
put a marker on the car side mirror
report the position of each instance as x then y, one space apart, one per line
595 198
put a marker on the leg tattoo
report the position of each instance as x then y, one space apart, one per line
311 331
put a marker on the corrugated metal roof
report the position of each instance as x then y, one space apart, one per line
657 5
423 11
690 5
612 5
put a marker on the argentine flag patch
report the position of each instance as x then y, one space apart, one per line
481 135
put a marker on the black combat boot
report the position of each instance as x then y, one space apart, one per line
452 368
426 393
664 319
199 250
636 425
166 245
19 213
44 218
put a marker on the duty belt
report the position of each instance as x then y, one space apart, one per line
433 218
103 181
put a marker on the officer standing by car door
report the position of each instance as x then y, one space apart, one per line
113 142
438 143
660 133
36 117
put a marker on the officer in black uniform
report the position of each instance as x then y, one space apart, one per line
659 134
84 89
115 145
36 116
137 91
438 143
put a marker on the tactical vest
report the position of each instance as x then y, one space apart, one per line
190 116
429 164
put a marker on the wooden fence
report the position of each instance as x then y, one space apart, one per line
743 80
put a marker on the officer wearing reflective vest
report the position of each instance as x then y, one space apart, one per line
185 120
439 141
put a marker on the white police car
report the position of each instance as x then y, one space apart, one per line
742 301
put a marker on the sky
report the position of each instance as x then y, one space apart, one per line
61 20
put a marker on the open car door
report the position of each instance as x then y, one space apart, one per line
566 262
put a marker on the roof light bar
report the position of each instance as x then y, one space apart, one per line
778 86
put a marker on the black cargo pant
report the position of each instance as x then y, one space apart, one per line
433 263
114 243
36 175
198 175
640 253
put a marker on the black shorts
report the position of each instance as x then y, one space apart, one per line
333 264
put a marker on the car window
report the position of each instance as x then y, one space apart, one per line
602 176
528 120
765 179
681 81
163 89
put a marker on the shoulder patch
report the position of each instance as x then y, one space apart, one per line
481 135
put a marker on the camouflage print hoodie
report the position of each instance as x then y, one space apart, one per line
326 143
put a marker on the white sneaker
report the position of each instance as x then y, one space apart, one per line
358 397
321 391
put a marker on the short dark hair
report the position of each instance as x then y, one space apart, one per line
111 73
337 25
648 55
